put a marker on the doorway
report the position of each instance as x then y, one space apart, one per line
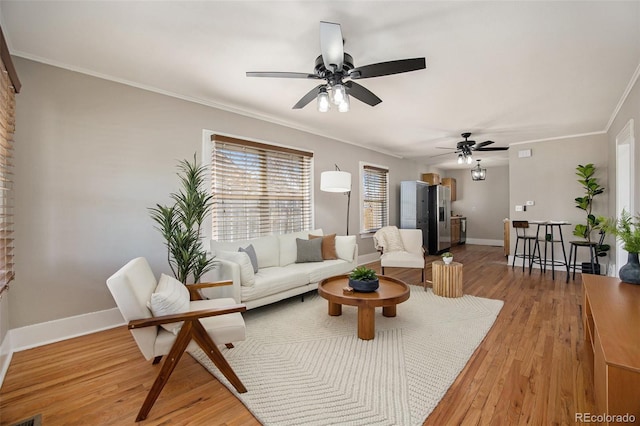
625 178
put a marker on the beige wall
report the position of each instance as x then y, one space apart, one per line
92 155
484 203
548 178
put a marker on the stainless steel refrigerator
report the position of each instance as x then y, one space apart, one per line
439 219
414 207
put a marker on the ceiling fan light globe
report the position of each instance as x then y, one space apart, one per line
469 159
323 101
460 159
344 106
339 93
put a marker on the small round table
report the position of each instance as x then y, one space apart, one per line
447 279
390 293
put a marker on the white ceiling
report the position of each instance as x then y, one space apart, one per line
506 71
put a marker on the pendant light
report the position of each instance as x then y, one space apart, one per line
478 173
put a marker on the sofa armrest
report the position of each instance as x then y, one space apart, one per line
226 271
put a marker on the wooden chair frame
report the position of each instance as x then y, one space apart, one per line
192 329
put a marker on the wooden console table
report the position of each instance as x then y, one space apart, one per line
447 279
611 321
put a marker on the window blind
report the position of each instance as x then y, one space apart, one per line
258 189
375 208
9 85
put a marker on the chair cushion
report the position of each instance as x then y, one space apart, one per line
170 297
247 276
328 246
309 250
402 259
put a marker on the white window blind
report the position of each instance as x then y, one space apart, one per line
258 189
375 199
9 86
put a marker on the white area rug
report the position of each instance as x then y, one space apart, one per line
303 367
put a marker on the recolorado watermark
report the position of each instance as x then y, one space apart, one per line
602 418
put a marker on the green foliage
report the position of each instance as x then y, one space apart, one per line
591 188
626 229
180 224
362 273
447 254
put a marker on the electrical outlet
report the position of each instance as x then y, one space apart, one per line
531 203
519 208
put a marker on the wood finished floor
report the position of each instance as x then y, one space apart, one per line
530 369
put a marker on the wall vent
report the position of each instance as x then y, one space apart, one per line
31 421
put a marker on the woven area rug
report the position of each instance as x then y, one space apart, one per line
303 367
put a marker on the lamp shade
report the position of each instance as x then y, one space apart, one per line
335 181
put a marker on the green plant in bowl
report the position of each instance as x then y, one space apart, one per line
363 280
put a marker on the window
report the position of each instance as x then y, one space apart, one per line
259 189
375 197
9 86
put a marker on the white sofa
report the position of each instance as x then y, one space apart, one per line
278 276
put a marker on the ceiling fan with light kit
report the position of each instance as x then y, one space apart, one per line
336 67
465 148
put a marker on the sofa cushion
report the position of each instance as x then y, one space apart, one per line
251 252
247 276
328 246
288 248
308 250
275 280
318 271
267 249
345 247
170 297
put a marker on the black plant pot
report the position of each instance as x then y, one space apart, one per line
630 273
586 268
364 286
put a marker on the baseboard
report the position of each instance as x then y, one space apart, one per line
35 335
485 242
368 258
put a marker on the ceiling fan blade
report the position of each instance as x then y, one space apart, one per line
311 95
281 74
388 68
485 143
362 93
497 148
440 155
331 45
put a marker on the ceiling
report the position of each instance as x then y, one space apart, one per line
507 71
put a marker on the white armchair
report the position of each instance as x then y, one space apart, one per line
408 254
206 323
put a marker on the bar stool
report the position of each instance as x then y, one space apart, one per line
521 227
593 254
549 238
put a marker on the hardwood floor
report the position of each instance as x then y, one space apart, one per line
530 369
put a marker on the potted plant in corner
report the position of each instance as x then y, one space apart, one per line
584 230
447 257
627 229
363 280
180 224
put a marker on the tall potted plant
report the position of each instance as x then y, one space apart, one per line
627 229
181 223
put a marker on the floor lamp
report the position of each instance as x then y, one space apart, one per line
337 181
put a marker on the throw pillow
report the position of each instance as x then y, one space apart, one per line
345 247
170 297
393 239
309 250
251 252
328 246
247 277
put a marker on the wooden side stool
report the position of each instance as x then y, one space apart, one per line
447 279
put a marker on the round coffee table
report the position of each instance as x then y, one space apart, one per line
390 293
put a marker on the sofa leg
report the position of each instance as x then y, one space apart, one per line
302 298
229 345
156 360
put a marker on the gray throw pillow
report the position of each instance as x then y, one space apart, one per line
251 252
309 250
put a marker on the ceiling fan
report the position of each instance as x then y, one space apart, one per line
335 66
465 148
